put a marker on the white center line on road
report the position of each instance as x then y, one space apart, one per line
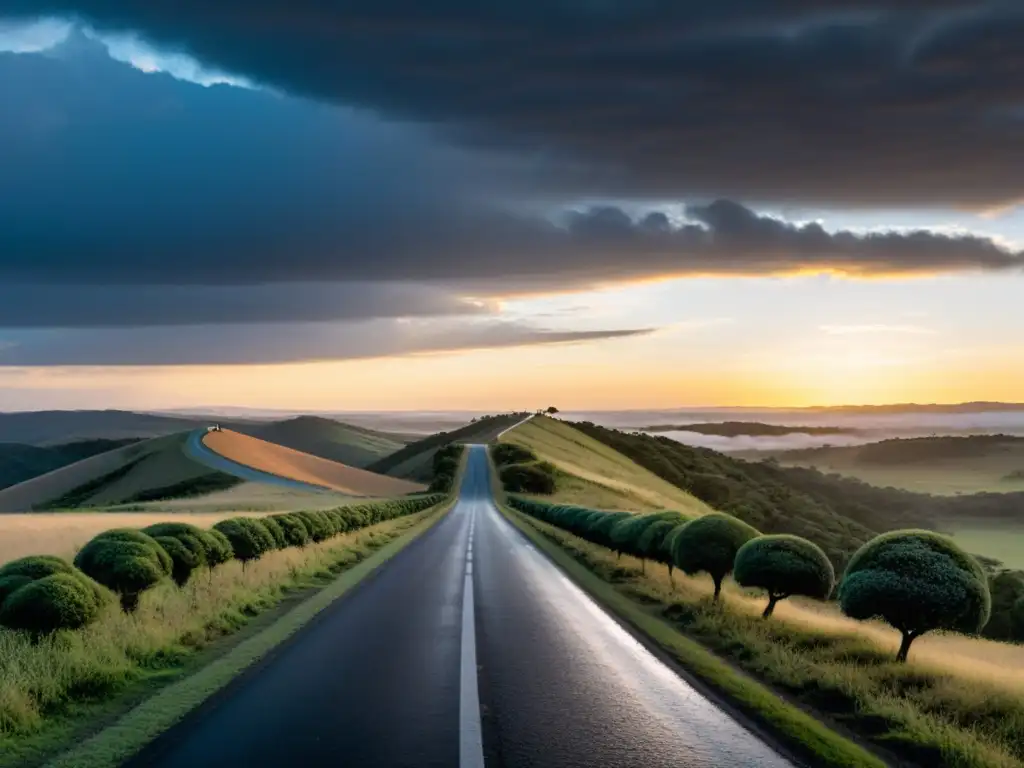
471 746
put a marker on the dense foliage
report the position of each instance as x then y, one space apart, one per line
1007 621
630 535
194 547
447 460
917 581
784 565
537 477
125 561
911 450
709 544
838 514
521 471
43 593
643 536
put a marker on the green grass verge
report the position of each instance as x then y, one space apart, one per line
111 746
793 728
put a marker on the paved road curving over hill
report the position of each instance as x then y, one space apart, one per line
468 619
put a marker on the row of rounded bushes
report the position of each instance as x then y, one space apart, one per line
917 581
521 471
43 593
446 463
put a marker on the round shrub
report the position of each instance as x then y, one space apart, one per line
295 531
917 581
126 561
537 478
11 584
59 601
217 548
652 543
600 529
710 544
626 534
183 559
510 453
784 565
249 539
319 530
189 537
276 532
36 567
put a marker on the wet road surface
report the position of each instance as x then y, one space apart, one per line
468 648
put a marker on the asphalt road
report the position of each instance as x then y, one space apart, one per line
468 648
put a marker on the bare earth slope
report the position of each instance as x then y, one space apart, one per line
303 467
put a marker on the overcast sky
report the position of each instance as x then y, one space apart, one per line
415 205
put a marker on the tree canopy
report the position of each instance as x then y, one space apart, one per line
784 565
709 544
917 581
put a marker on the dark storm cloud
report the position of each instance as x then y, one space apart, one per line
821 101
279 343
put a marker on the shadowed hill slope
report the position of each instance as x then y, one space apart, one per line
19 462
142 471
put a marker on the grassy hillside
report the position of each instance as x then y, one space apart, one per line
940 465
20 462
415 460
143 471
593 474
161 471
328 439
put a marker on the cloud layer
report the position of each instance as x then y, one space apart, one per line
274 343
835 101
145 180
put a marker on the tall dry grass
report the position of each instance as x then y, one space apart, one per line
959 701
40 679
64 533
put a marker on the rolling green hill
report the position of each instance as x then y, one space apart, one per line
19 462
595 475
941 465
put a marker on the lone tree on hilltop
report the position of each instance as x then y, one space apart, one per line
917 581
551 410
710 544
783 566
